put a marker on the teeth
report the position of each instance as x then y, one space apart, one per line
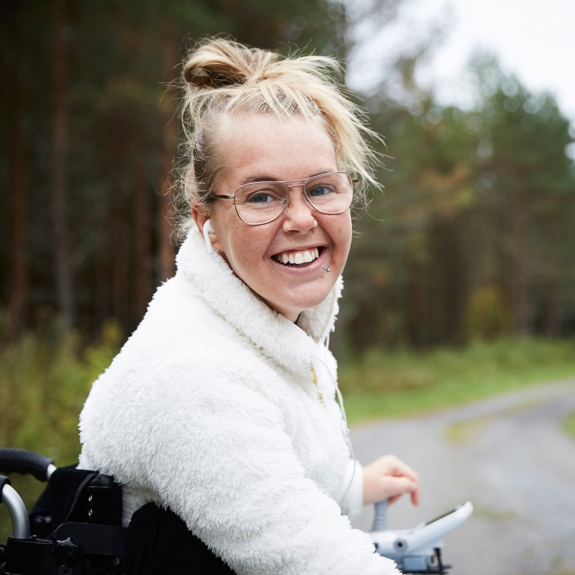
298 258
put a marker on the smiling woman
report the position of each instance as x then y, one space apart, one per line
262 146
222 407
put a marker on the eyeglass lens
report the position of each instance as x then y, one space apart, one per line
262 202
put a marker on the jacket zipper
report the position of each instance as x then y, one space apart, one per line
319 393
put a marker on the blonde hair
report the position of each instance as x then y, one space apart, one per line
224 77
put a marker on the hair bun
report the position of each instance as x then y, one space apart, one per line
223 63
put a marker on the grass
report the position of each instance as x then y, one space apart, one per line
402 382
44 381
569 425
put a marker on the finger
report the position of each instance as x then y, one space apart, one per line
394 487
415 497
401 469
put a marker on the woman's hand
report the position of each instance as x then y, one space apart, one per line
389 478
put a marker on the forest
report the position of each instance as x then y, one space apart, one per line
471 237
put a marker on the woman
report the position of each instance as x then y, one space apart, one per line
222 405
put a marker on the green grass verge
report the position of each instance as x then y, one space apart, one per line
44 381
569 425
398 383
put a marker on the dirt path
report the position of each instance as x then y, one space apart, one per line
509 457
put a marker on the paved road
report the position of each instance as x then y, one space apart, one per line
509 457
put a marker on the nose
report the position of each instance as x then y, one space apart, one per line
298 215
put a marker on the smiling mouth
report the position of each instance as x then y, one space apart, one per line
297 258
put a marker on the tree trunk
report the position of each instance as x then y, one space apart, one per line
382 320
18 274
59 170
114 254
142 226
455 280
552 309
102 282
416 305
519 280
121 271
169 149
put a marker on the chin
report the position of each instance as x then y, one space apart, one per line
305 303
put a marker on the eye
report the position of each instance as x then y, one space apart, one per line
321 191
260 198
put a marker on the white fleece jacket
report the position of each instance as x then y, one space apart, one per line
224 411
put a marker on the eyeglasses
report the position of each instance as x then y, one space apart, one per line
260 203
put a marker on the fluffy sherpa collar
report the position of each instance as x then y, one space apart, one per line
210 277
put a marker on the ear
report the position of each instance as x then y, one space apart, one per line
201 215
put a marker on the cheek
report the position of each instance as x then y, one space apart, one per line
342 234
229 234
246 247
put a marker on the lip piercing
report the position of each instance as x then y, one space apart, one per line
327 270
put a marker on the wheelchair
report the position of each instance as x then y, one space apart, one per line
75 528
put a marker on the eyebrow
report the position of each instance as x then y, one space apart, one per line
266 178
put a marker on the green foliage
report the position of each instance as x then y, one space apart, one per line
473 235
472 238
383 384
487 316
44 381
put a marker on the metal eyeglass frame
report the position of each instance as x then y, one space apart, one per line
287 200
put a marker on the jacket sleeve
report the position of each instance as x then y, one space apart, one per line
351 500
222 461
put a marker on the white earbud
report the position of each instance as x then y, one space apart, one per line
207 230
